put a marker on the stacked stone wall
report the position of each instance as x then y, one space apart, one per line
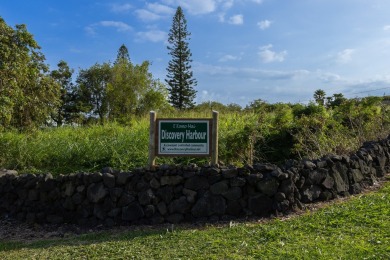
177 194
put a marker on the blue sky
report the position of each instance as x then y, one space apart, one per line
274 50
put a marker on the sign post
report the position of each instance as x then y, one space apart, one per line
214 146
183 137
152 143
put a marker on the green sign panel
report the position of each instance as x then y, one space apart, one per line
183 137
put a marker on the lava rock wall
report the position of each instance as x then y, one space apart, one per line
177 194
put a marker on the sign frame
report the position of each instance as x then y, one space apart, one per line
188 121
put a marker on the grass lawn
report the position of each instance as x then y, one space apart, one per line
358 228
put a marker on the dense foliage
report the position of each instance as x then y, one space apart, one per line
260 132
28 95
31 96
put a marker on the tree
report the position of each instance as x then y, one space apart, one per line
257 105
180 76
67 112
319 97
155 98
336 100
123 55
127 86
132 91
213 105
28 95
92 90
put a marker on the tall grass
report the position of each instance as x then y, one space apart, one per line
69 149
273 135
73 149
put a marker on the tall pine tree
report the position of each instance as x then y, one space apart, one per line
180 77
123 55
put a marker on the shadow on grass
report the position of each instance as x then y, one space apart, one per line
109 235
116 234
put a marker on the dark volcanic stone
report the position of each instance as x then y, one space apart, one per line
132 212
237 182
179 205
115 193
356 175
219 187
339 174
171 180
229 173
209 205
234 193
311 193
109 180
287 186
145 197
317 176
125 199
234 208
123 178
96 192
260 204
166 193
269 187
197 183
328 182
254 178
149 210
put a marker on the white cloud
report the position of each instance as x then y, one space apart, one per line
229 57
154 12
376 86
328 77
211 96
345 56
267 55
120 26
117 8
206 6
205 96
221 17
147 15
264 24
160 9
194 6
248 73
227 4
152 35
75 50
386 27
237 19
90 30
